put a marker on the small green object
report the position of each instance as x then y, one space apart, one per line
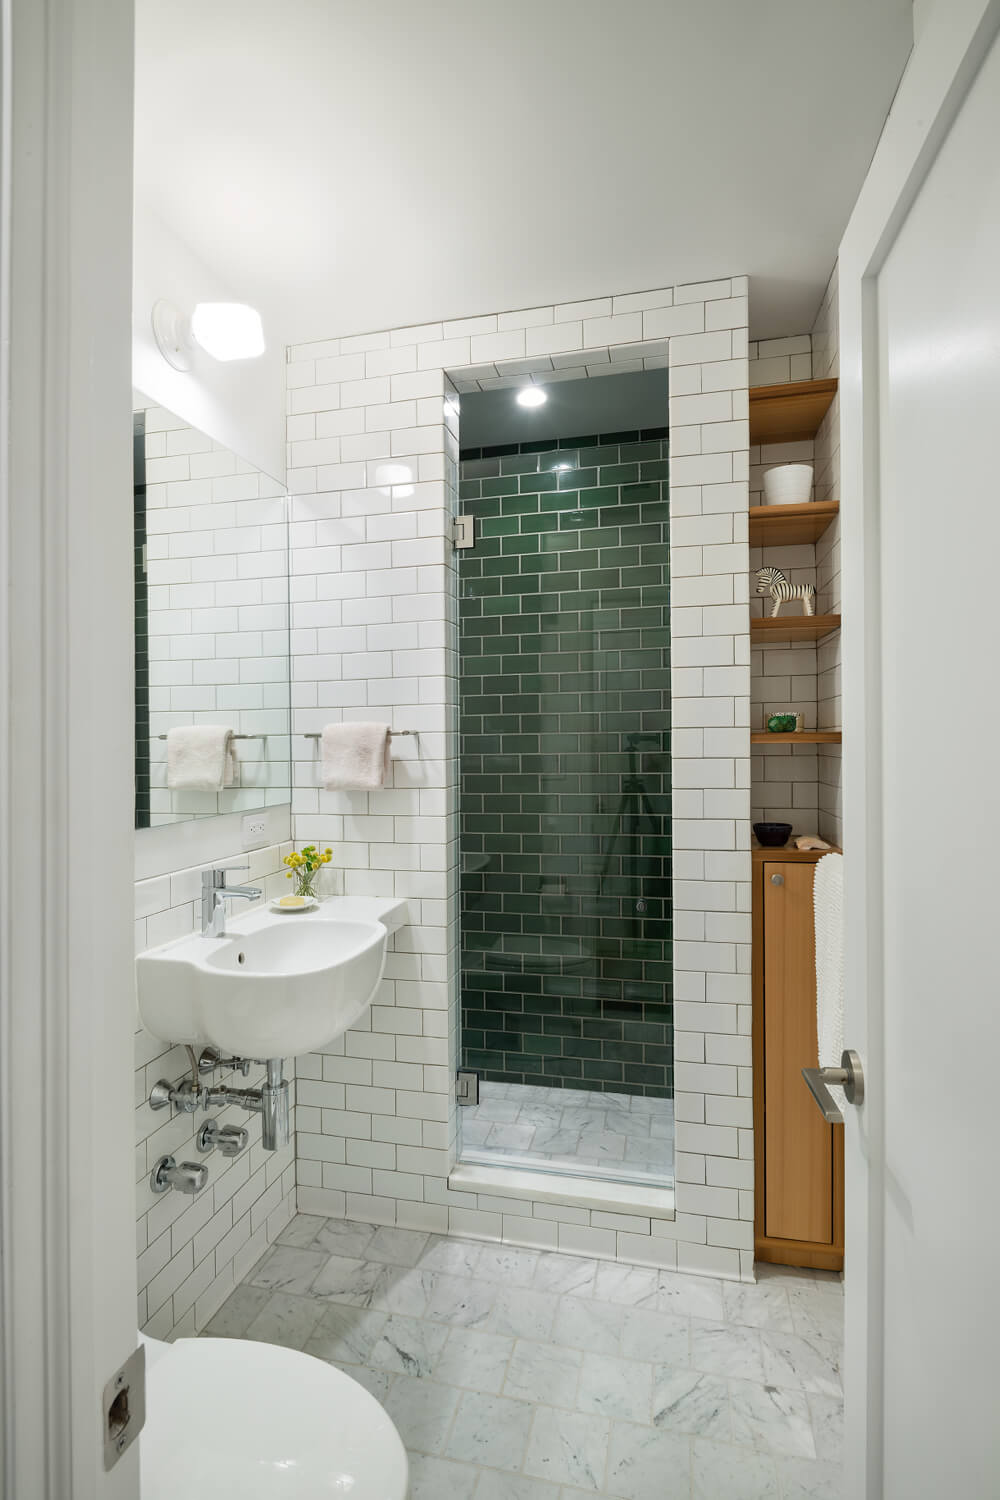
781 723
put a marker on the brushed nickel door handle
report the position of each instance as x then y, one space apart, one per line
850 1076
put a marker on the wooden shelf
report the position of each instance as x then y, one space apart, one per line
792 628
789 413
791 525
797 737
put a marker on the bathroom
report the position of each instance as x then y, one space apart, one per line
450 752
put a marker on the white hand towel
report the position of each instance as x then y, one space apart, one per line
355 757
828 909
200 758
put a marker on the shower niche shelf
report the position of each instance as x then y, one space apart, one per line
764 631
791 525
789 413
797 737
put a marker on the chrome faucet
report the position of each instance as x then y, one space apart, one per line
214 893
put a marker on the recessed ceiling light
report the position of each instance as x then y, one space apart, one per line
532 395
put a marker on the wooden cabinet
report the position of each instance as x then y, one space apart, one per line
799 1168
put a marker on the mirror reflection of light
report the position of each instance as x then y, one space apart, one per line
398 477
532 395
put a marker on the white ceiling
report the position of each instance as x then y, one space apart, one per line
355 166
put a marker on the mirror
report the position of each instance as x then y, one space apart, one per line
211 617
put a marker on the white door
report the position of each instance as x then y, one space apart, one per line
921 331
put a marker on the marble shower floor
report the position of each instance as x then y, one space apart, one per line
624 1136
524 1375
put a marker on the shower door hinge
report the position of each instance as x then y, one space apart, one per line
123 1407
467 1086
464 531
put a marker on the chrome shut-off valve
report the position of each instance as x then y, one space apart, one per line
230 1139
185 1176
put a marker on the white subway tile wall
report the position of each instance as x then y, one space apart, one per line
217 577
192 1251
373 451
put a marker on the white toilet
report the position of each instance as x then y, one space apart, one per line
234 1417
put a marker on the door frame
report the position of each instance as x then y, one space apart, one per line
951 45
67 1009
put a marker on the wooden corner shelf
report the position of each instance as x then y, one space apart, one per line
765 632
791 525
797 737
789 413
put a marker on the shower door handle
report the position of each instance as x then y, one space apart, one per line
850 1076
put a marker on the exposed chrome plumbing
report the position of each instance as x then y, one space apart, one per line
270 1101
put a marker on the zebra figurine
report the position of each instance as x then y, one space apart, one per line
773 581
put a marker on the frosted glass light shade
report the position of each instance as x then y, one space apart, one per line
228 330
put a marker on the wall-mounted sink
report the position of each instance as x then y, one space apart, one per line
276 984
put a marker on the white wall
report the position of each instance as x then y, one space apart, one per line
375 636
238 403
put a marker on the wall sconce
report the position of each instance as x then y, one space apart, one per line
225 330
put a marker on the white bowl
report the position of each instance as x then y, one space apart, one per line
788 484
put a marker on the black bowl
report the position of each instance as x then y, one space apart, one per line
773 835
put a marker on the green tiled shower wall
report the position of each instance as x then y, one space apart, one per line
565 641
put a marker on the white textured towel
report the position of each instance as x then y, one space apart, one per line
355 757
200 758
828 909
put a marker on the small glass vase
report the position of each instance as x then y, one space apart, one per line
305 883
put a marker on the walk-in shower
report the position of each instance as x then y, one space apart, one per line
565 780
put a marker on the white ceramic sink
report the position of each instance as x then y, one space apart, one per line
276 984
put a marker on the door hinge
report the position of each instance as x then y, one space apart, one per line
464 531
123 1407
467 1086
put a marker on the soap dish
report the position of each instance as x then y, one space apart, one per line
288 904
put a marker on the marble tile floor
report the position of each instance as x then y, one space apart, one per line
524 1375
624 1136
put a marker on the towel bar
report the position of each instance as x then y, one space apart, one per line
393 734
235 736
850 1076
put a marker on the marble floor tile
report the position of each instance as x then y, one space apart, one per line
515 1374
459 1300
343 1237
689 1401
827 1413
287 1269
645 1462
613 1387
596 1326
762 1306
721 1472
408 1346
237 1312
345 1335
285 1319
422 1410
490 1430
802 1480
721 1349
656 1336
691 1296
543 1372
495 1485
568 1448
570 1275
301 1230
474 1361
515 1138
811 1365
399 1247
440 1479
522 1312
771 1419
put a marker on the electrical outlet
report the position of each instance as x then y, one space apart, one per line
254 826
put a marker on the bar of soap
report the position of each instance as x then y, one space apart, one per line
291 902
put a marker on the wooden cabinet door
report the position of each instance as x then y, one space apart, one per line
798 1147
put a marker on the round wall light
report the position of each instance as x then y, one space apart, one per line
532 395
225 330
